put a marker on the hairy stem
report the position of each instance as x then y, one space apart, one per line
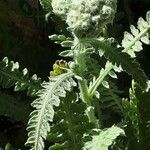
100 79
80 61
86 99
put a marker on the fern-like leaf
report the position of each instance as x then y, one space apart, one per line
109 97
49 97
132 42
10 75
103 139
70 123
118 58
62 39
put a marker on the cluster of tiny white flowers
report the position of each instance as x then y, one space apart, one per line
61 7
85 18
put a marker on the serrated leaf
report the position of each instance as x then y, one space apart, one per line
131 46
49 96
66 53
10 75
118 58
71 111
103 139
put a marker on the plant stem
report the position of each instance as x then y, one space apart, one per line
86 95
80 61
86 99
100 79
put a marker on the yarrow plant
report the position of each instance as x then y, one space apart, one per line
86 20
70 107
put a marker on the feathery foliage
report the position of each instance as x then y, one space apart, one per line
118 58
70 122
132 42
103 139
69 109
10 75
137 115
49 97
80 46
110 97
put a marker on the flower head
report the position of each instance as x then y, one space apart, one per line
85 18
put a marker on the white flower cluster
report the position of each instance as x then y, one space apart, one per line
85 18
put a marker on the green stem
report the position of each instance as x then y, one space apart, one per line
86 94
86 99
100 79
84 91
80 61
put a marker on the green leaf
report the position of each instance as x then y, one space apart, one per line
110 99
66 53
103 139
133 42
70 124
119 58
61 39
49 96
46 4
56 37
8 146
10 75
66 43
113 74
105 84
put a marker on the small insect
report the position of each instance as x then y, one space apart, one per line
59 67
